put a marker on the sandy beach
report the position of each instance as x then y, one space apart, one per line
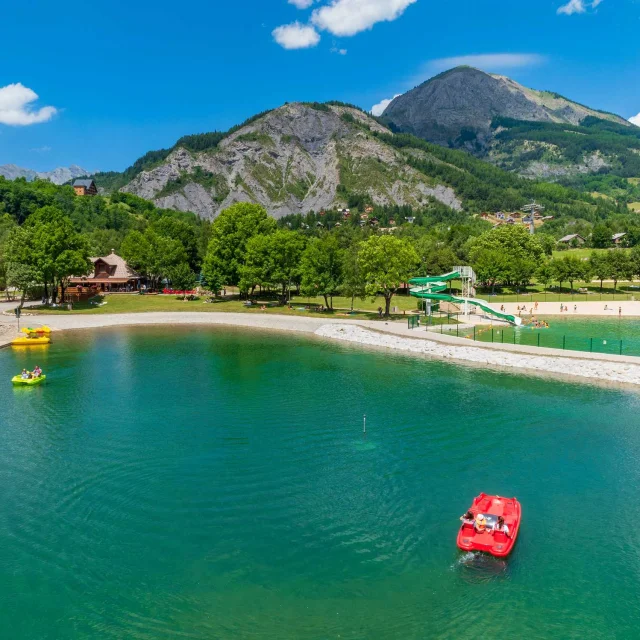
392 335
577 308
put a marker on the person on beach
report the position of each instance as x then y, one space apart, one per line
575 308
536 306
501 527
467 518
619 312
606 307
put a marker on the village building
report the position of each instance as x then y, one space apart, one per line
110 273
617 238
85 187
573 239
368 209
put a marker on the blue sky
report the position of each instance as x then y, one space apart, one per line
116 79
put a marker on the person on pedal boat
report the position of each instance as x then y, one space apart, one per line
501 526
467 518
480 524
24 375
37 372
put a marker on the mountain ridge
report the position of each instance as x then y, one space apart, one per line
456 108
298 157
59 175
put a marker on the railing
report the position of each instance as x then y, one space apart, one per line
538 338
559 297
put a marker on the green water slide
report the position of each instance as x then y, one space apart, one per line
431 288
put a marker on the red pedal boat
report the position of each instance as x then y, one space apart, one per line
497 543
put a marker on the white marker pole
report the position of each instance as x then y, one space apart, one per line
364 424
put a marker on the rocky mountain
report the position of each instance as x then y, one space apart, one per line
57 176
296 158
537 134
456 108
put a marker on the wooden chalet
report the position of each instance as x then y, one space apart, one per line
85 187
110 273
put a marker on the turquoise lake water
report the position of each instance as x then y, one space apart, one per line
216 484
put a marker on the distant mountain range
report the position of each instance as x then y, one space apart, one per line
57 176
311 156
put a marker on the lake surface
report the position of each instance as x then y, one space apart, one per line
216 484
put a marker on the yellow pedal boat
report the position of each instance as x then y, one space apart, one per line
30 381
27 342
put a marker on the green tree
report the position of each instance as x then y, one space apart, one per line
545 274
490 266
601 236
152 255
230 233
513 241
386 262
559 270
600 266
49 245
182 278
573 269
621 267
321 268
272 260
353 284
23 277
176 229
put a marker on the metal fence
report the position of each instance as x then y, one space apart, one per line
538 338
560 297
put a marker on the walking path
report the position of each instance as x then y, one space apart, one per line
392 335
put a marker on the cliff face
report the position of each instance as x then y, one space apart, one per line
294 159
457 108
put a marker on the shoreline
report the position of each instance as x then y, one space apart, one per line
389 336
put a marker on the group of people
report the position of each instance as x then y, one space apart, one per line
480 524
27 375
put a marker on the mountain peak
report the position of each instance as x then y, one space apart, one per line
461 103
60 175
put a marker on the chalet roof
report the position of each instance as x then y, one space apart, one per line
617 236
571 237
83 183
122 269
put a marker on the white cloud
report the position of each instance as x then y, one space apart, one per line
341 52
44 149
296 36
578 6
302 4
15 106
378 109
348 17
635 120
487 61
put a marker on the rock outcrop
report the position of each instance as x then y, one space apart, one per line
294 159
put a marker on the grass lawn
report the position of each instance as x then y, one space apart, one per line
578 253
366 309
